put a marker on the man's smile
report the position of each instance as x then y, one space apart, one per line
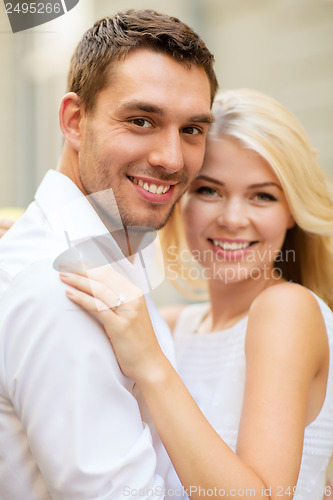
155 187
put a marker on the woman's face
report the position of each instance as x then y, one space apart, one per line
236 214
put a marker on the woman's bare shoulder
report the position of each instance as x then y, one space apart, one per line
171 314
286 297
285 316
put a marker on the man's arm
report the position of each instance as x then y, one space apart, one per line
81 422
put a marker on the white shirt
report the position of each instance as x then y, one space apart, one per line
70 427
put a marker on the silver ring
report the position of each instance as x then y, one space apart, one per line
120 300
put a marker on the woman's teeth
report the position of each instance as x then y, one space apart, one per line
226 245
151 188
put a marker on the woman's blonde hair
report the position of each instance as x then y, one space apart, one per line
263 125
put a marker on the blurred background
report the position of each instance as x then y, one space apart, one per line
281 47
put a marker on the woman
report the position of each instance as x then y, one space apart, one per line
256 358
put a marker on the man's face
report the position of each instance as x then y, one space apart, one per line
145 138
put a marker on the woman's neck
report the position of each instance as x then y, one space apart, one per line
231 301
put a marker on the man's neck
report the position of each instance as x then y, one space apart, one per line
127 238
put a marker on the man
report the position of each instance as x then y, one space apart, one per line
134 121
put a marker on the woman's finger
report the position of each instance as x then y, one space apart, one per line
79 281
110 278
88 302
105 284
105 296
127 326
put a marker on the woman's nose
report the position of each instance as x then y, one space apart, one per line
233 215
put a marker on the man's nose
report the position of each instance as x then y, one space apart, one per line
167 152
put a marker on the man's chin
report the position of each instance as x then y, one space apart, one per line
137 226
146 224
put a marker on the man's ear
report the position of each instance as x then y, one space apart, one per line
70 116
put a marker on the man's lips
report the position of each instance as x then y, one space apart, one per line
153 190
152 185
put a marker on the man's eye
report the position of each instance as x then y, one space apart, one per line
140 122
192 130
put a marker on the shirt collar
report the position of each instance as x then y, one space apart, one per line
67 209
76 224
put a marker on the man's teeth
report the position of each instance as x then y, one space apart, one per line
151 188
231 246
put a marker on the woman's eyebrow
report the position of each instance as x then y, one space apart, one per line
265 184
252 186
209 179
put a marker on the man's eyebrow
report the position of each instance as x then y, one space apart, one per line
141 106
152 108
204 118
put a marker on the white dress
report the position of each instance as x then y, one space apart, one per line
213 368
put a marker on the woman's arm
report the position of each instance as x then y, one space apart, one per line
285 349
286 361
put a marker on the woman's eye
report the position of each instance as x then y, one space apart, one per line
206 190
141 122
265 197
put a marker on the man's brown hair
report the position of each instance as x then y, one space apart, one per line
111 39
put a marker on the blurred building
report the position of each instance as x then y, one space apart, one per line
282 47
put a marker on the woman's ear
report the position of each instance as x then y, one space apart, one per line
291 222
70 115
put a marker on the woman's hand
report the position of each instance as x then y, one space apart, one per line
5 224
121 308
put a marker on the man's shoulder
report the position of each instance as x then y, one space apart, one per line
24 243
28 251
35 310
36 287
27 273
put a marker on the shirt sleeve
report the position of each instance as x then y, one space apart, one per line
81 421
